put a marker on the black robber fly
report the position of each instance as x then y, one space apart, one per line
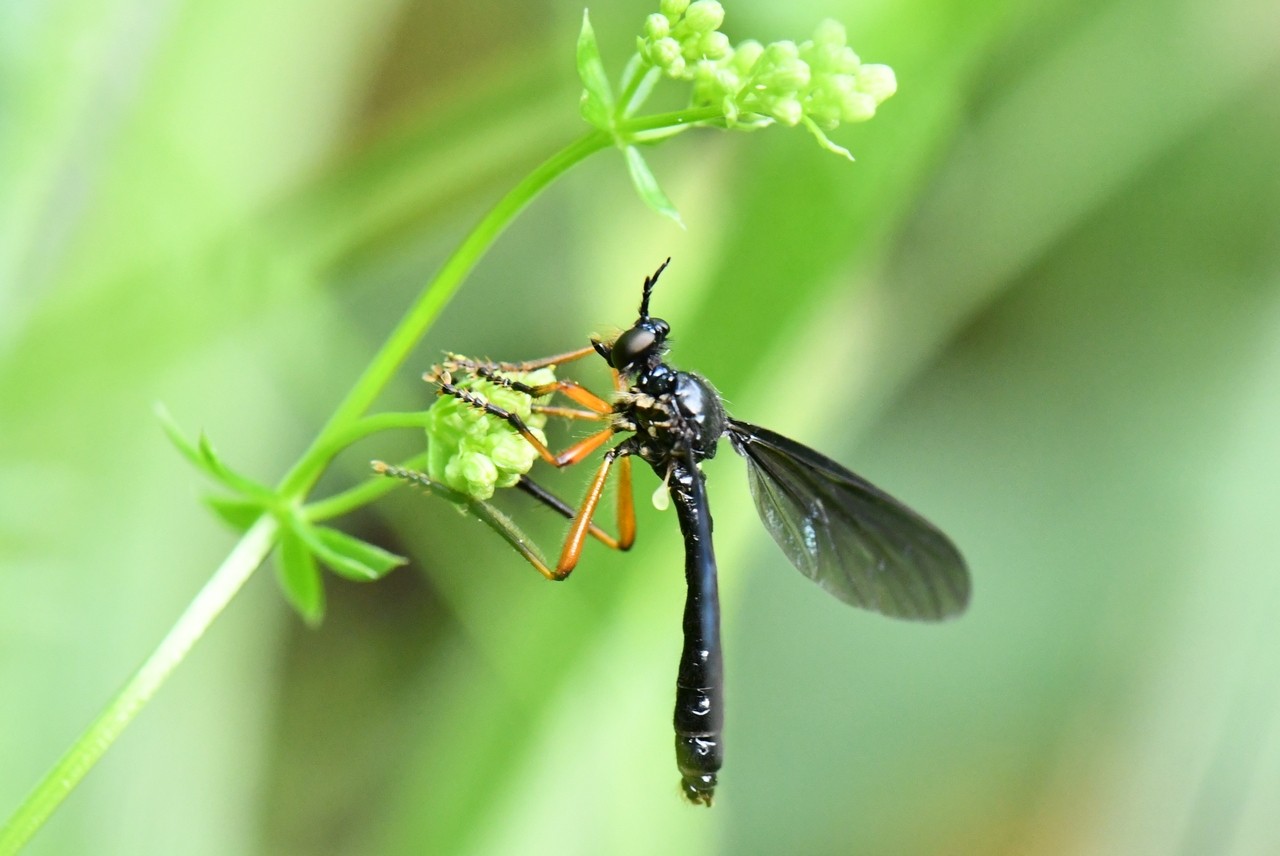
845 534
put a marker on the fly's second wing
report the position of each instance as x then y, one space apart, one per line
847 535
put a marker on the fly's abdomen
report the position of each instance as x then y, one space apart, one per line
699 714
699 720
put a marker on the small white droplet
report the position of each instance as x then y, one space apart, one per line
661 499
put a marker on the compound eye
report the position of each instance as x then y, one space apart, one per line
630 346
662 327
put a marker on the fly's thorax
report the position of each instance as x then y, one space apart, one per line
701 407
671 411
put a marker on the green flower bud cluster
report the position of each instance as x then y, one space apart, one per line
820 82
683 34
474 453
842 88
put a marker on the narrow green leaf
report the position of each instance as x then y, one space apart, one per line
597 96
203 457
229 477
299 577
647 186
344 555
369 561
180 440
237 513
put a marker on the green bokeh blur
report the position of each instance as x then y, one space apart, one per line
1043 307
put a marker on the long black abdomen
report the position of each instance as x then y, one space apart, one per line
699 714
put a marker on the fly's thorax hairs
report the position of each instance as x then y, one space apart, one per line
636 400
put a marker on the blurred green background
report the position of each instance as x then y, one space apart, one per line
1043 307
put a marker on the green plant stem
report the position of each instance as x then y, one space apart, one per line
676 119
361 428
239 565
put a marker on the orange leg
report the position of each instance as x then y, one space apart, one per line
554 502
626 506
582 524
573 391
456 361
572 550
570 389
569 413
580 449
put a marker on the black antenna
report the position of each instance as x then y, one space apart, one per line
649 283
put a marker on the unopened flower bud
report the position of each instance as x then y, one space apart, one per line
728 80
826 101
822 58
878 81
657 26
705 72
703 16
787 110
789 76
472 474
780 53
858 107
847 62
673 8
714 45
665 53
745 56
830 32
511 456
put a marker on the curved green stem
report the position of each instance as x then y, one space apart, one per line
347 435
239 565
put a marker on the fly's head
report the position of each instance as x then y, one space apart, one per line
639 348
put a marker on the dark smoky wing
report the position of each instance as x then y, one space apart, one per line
847 535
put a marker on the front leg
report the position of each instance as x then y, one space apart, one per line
458 361
572 455
498 374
